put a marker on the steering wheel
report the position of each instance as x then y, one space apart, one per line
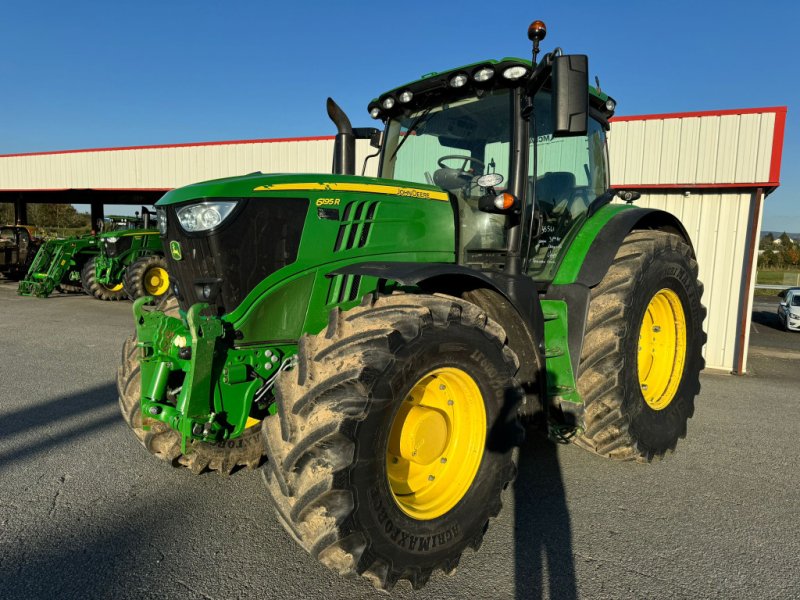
453 179
466 159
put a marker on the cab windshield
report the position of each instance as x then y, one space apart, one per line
451 146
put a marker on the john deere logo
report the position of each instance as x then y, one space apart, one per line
175 250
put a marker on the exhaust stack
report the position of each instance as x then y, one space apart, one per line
344 148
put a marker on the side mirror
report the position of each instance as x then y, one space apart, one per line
368 133
571 94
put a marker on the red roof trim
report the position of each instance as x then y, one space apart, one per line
186 145
692 186
777 145
703 113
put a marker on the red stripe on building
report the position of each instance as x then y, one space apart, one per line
186 145
703 113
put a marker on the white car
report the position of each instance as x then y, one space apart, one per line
789 309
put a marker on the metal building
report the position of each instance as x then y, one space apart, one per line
711 169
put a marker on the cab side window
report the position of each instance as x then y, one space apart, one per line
571 173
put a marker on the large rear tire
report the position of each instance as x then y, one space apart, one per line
394 436
165 443
94 288
642 350
147 277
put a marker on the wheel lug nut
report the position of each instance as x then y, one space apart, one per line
656 329
154 410
431 477
444 460
644 387
450 403
442 386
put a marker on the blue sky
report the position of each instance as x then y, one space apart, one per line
86 74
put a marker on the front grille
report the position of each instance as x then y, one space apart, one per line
122 244
260 237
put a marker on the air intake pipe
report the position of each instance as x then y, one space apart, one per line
344 147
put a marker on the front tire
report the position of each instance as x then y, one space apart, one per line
147 277
394 436
94 288
642 350
164 442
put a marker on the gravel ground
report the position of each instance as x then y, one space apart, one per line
86 513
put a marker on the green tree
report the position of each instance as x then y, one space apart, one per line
786 241
766 259
791 255
766 242
6 213
56 216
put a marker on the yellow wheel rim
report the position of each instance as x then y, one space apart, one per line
436 443
114 288
156 281
662 349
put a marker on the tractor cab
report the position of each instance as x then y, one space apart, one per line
474 132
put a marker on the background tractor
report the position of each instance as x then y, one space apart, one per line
130 263
381 340
18 246
123 259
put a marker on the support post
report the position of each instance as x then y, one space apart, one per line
97 213
20 211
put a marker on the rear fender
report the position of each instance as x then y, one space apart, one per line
586 265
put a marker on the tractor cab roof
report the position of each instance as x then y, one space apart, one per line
468 80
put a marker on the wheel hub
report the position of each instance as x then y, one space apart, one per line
156 281
423 436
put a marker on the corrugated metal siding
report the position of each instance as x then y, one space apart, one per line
717 225
714 149
168 167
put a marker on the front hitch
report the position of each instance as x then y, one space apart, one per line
168 346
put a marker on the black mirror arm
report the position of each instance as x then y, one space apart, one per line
540 75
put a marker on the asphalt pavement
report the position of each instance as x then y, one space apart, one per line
85 512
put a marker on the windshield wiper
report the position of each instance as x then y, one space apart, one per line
413 127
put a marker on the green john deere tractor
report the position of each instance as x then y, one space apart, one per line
57 266
124 260
380 341
130 263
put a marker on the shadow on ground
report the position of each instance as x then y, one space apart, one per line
544 565
49 422
768 319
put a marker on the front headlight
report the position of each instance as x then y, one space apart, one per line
161 219
204 215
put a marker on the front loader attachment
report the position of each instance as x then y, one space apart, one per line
56 262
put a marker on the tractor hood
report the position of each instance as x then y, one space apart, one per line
259 184
231 240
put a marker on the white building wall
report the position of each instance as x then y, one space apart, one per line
705 169
717 224
169 166
714 149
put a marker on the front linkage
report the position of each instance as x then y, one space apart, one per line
196 381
